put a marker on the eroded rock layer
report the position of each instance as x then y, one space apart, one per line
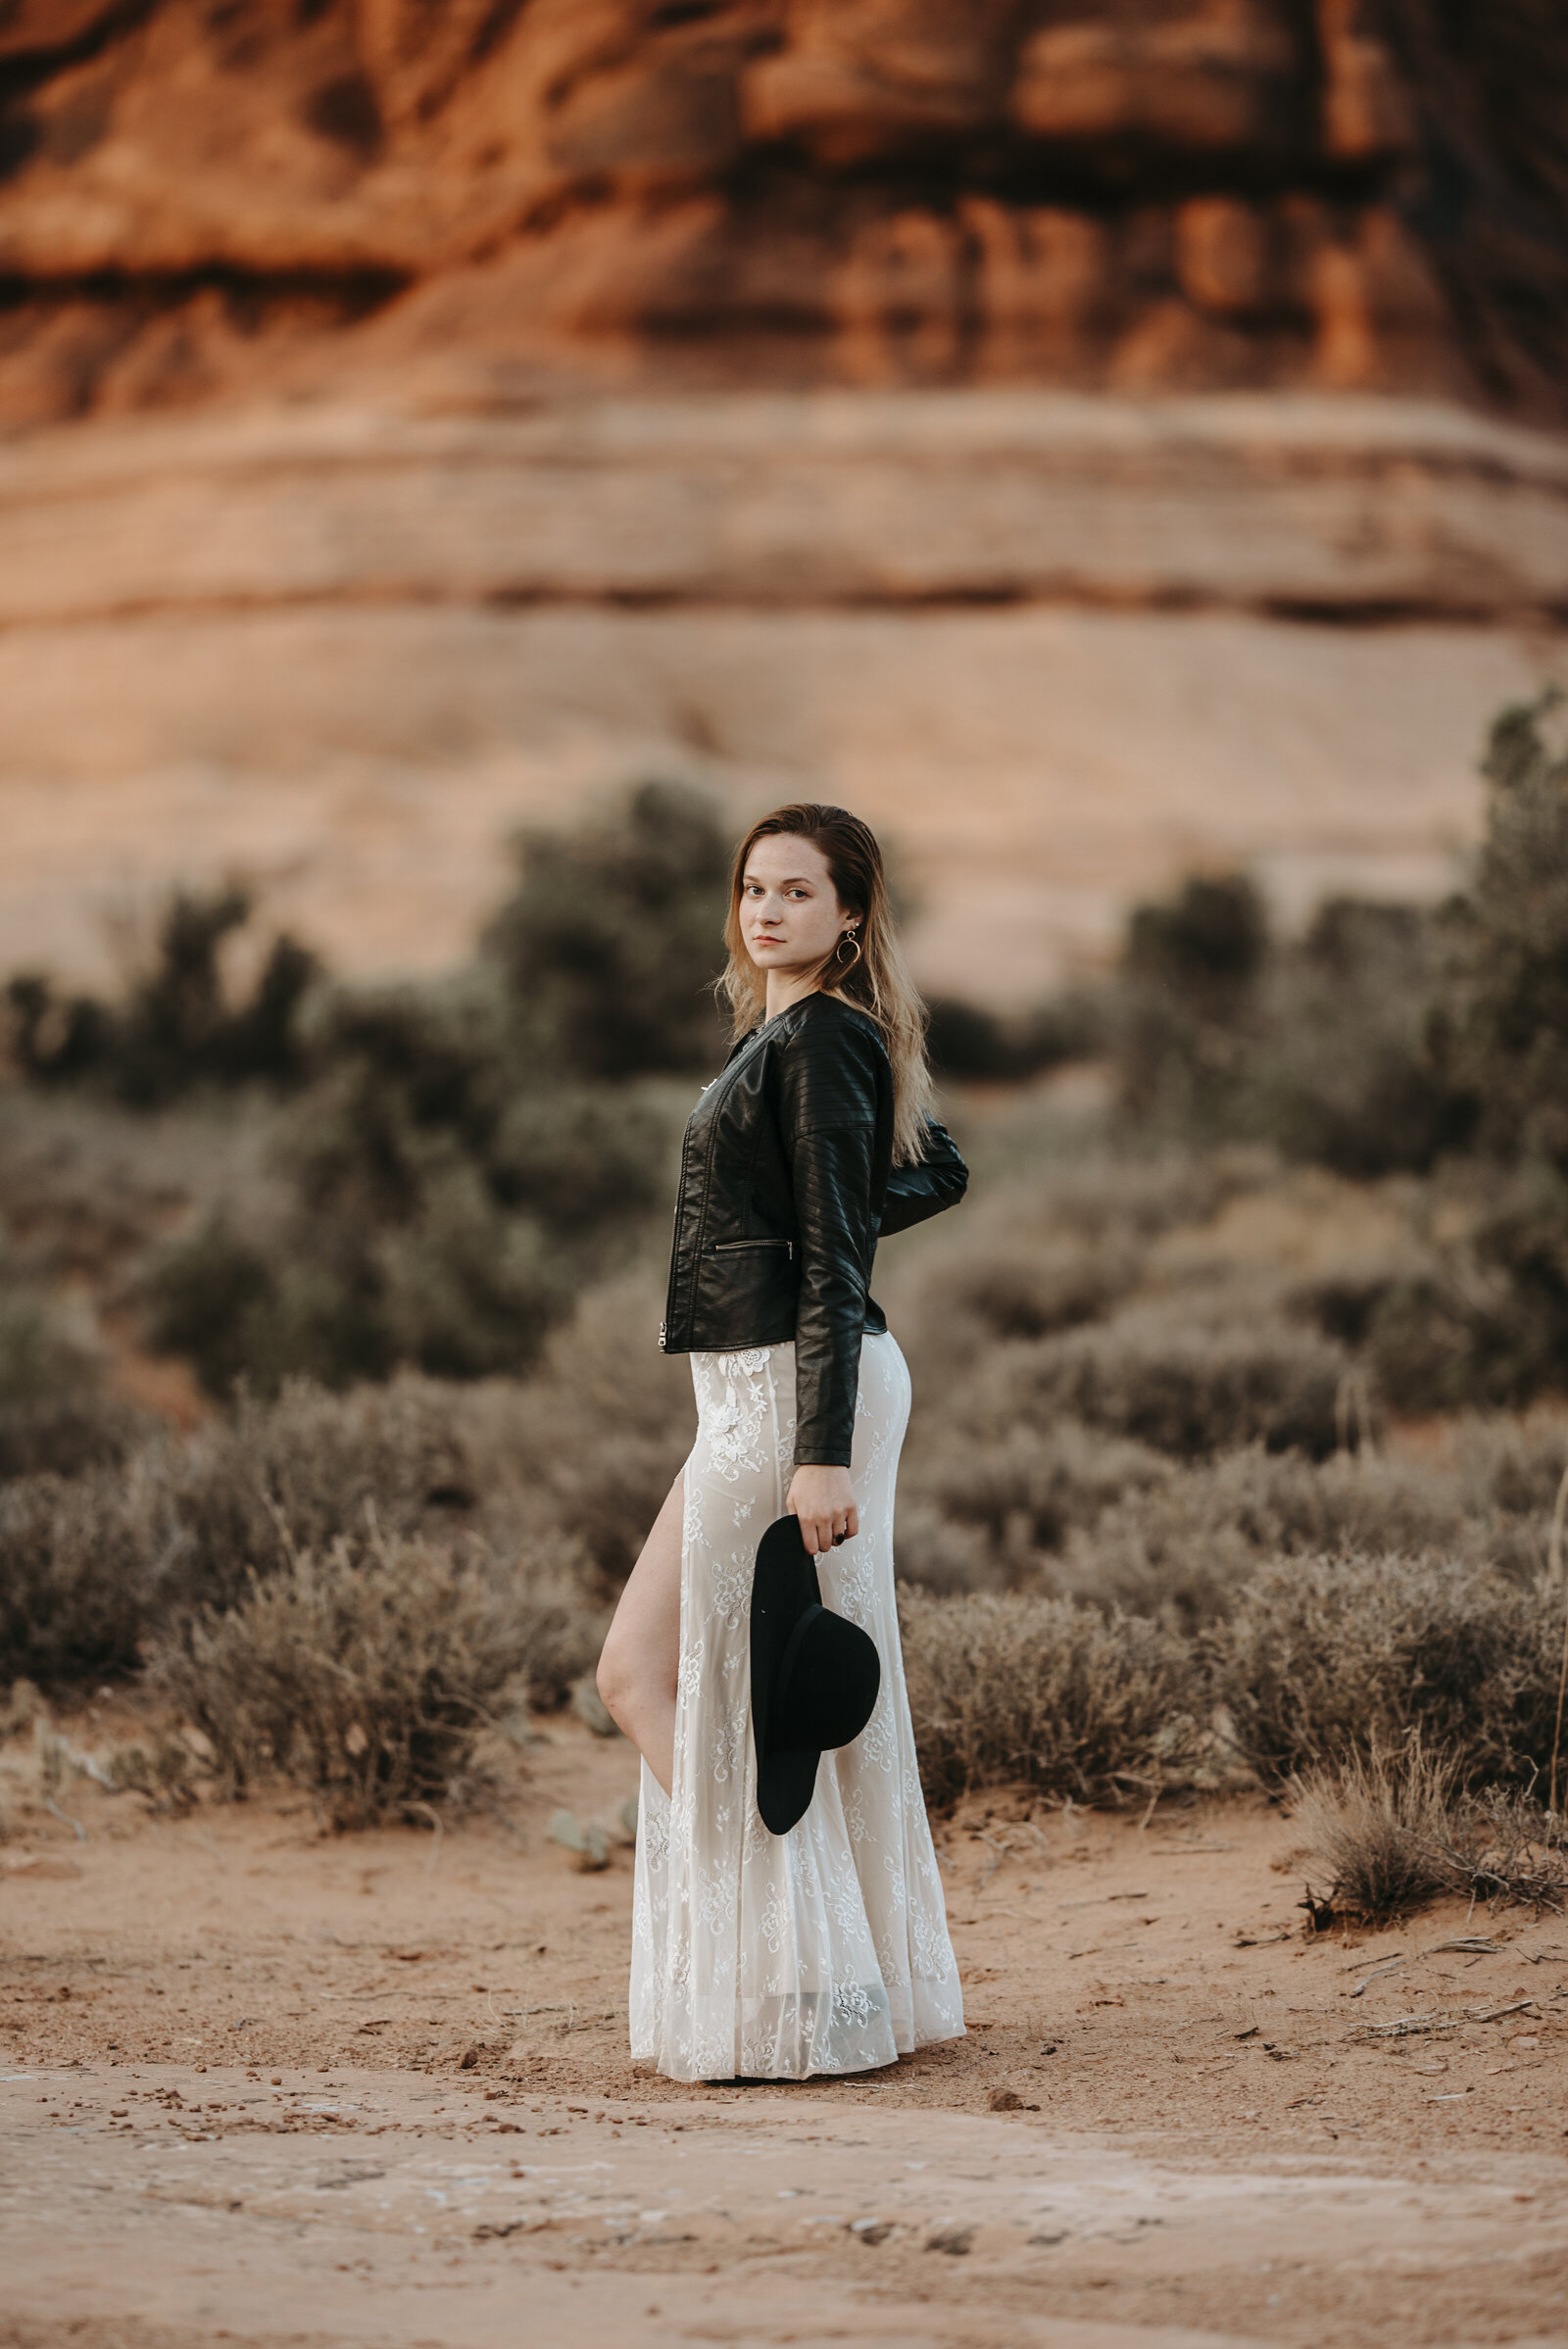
1060 648
205 195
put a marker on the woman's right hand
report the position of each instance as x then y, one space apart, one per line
823 1502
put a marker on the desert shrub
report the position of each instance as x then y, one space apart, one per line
1190 969
68 1435
1342 1072
587 1449
55 1416
1183 1548
1326 1657
317 1464
1504 1032
1156 1373
570 1467
365 1672
179 1025
1514 1464
1488 1324
613 935
1321 1046
1023 1489
973 1045
1503 1846
943 1555
1006 1688
78 1571
1023 1291
451 1193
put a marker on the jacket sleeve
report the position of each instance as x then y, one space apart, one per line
828 1087
937 1181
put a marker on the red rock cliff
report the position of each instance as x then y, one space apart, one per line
203 195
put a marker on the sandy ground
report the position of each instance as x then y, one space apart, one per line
262 2085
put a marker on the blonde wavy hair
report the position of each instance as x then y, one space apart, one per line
878 982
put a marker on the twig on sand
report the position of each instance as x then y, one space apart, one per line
1407 2027
1372 1980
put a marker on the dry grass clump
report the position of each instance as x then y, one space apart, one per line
1009 1687
1324 1658
1380 1826
1509 1849
1398 1831
366 1671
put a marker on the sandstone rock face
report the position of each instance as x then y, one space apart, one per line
1058 648
198 198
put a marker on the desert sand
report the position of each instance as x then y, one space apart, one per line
260 2084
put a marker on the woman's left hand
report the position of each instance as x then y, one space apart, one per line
823 1499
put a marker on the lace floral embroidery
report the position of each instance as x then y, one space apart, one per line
824 1951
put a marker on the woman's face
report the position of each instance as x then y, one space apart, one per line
789 911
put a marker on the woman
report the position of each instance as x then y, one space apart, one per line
757 1956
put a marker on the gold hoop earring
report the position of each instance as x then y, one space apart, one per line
848 939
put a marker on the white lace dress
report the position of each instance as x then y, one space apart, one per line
825 1949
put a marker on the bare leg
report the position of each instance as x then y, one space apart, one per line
641 1659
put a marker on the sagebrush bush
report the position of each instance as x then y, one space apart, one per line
1023 1489
588 1447
304 1468
79 1564
1044 1692
1184 1548
1512 1464
1322 1658
1157 1374
365 1672
55 1415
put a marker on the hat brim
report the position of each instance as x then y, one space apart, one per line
785 1785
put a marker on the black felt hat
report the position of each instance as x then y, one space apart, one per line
815 1676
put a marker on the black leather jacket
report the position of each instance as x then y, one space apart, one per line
786 1186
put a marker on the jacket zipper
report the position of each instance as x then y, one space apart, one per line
729 1248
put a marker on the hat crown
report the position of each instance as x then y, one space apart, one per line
827 1685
